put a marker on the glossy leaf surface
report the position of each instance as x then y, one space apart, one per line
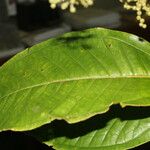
74 77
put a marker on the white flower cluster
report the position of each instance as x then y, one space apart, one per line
141 7
71 4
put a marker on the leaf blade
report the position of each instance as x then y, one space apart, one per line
58 78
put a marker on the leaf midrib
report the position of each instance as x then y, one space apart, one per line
77 79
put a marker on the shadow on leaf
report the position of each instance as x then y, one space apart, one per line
60 128
71 41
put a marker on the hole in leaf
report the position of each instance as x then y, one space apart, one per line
141 39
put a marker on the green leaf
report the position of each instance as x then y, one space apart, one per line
74 77
118 129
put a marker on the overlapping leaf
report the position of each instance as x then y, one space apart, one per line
74 77
118 129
